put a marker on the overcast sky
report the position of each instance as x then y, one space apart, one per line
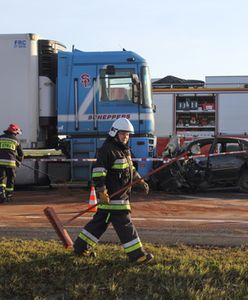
190 39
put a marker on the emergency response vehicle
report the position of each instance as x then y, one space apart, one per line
193 109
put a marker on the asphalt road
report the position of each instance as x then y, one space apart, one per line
217 218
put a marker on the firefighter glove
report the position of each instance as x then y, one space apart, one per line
104 197
18 163
144 186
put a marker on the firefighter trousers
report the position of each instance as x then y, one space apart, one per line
7 180
123 226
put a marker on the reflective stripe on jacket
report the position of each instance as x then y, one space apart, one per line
10 150
8 144
116 205
112 171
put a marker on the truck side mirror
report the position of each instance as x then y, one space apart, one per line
135 78
110 70
154 108
136 89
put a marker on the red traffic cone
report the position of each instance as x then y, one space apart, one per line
92 200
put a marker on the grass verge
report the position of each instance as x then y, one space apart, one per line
45 270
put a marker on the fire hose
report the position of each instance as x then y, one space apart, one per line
35 169
59 227
44 173
131 184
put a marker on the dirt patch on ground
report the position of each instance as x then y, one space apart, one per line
216 218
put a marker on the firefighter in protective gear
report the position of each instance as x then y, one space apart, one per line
114 170
11 156
172 147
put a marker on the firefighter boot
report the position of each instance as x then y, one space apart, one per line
82 249
144 259
89 253
2 197
9 197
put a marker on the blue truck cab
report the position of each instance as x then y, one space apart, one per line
93 90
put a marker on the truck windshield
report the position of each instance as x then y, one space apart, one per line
147 86
117 86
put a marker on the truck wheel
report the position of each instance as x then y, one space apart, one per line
243 182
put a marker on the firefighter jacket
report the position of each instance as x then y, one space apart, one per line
11 154
114 170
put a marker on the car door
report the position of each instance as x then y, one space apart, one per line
196 167
223 164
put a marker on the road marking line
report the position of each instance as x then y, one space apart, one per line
164 220
191 220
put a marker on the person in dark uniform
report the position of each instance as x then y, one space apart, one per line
114 170
11 156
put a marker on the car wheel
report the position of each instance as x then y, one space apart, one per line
243 182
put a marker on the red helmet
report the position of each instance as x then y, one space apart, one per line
14 128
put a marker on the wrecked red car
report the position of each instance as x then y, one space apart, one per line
210 163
